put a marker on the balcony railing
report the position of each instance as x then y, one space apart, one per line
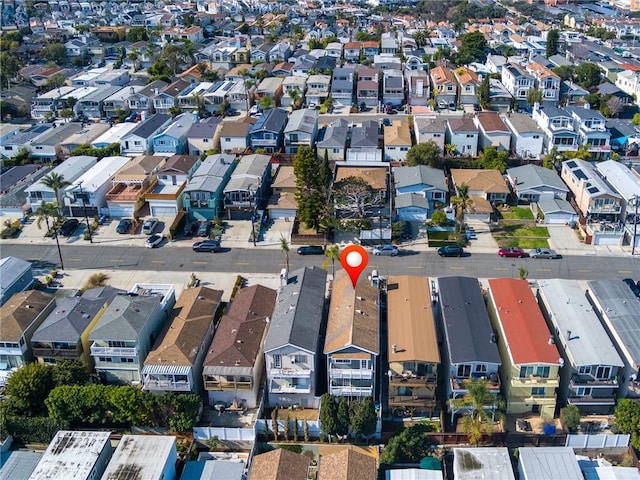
226 385
172 195
167 385
409 380
538 399
460 384
114 351
123 192
289 372
277 388
355 374
611 208
347 391
593 382
57 352
534 381
412 401
584 400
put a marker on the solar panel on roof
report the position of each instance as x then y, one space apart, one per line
580 174
571 164
593 189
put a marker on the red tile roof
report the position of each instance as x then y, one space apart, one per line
525 330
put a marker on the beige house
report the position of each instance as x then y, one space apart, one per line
397 141
283 203
486 184
412 344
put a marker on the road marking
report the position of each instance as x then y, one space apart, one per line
583 271
243 263
500 268
625 271
543 269
157 261
458 268
117 260
75 259
200 263
415 268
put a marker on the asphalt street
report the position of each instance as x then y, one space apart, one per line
250 260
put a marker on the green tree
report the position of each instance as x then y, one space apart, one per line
363 417
137 34
587 74
328 415
56 81
565 72
409 446
326 174
427 153
534 96
461 201
478 401
70 372
175 111
492 159
46 212
9 66
27 388
284 247
627 414
183 411
355 197
331 253
309 188
55 52
342 417
636 119
265 103
570 415
66 114
484 92
438 217
55 182
473 48
553 38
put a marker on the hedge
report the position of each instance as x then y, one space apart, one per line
32 429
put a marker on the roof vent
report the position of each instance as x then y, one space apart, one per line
394 347
551 341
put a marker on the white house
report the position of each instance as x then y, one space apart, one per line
463 134
527 138
150 456
493 131
139 140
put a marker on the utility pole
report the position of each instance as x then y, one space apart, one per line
253 216
635 225
84 208
55 235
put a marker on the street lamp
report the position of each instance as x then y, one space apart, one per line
380 225
55 235
84 208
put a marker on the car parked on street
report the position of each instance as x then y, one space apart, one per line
124 226
389 250
543 253
149 226
154 240
451 251
311 250
206 246
511 252
68 227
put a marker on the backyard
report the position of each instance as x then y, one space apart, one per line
517 228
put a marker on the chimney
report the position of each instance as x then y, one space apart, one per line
394 347
568 334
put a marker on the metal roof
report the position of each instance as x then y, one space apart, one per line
549 463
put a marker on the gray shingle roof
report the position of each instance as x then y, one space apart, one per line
419 175
411 200
531 176
299 311
149 126
125 318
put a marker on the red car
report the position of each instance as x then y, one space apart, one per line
511 252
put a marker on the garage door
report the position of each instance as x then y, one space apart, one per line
558 219
276 214
164 211
120 211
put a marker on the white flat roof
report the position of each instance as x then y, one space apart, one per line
71 455
100 173
147 453
115 133
70 169
549 463
620 177
55 93
482 463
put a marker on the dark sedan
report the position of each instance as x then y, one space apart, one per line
68 227
311 250
124 226
450 251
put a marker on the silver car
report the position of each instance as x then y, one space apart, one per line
543 253
390 250
149 225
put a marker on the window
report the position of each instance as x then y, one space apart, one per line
126 360
583 391
535 137
585 370
481 368
464 371
277 361
364 364
542 372
300 358
537 392
341 361
205 140
105 359
603 373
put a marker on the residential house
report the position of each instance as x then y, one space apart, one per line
238 97
468 85
130 184
334 49
268 131
233 368
629 82
8 131
142 101
113 77
532 183
430 130
234 136
174 364
292 347
462 133
418 87
260 53
91 106
294 88
333 143
301 130
500 100
304 64
352 52
342 83
348 464
470 350
317 89
139 140
413 351
488 462
16 275
172 139
627 185
364 143
23 141
118 102
591 128
48 103
151 456
64 334
617 308
180 33
166 196
270 87
38 193
204 194
124 334
113 135
370 49
487 185
21 315
86 136
201 137
445 86
533 464
527 138
572 93
87 194
492 131
283 203
368 87
279 464
531 364
168 97
283 69
588 375
280 52
352 342
248 187
393 87
387 61
75 454
397 141
422 181
518 82
547 82
558 127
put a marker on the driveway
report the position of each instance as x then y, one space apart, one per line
564 240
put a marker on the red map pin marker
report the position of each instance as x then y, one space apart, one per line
354 260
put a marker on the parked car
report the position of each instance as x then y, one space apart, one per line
543 253
154 240
149 225
190 229
388 108
451 251
511 252
203 228
634 286
390 250
386 122
124 226
206 246
311 250
363 107
68 227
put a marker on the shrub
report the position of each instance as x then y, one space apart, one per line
32 429
96 280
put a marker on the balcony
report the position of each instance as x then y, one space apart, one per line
537 399
97 351
351 391
289 373
355 374
612 208
412 401
585 400
227 385
74 352
261 142
287 387
201 203
410 380
167 385
577 381
459 385
159 191
122 192
533 381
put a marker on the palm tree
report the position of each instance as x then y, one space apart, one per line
46 211
461 201
284 246
332 254
134 56
450 149
55 182
265 103
478 401
295 96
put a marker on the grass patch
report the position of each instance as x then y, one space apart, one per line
520 230
518 213
524 243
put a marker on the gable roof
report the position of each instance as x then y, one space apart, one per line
149 126
462 125
348 464
491 122
489 181
532 176
397 133
20 311
523 326
279 464
303 120
179 164
125 317
299 311
412 200
139 169
285 178
353 316
419 175
272 120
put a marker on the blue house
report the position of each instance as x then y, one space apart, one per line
173 139
204 194
423 181
268 132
